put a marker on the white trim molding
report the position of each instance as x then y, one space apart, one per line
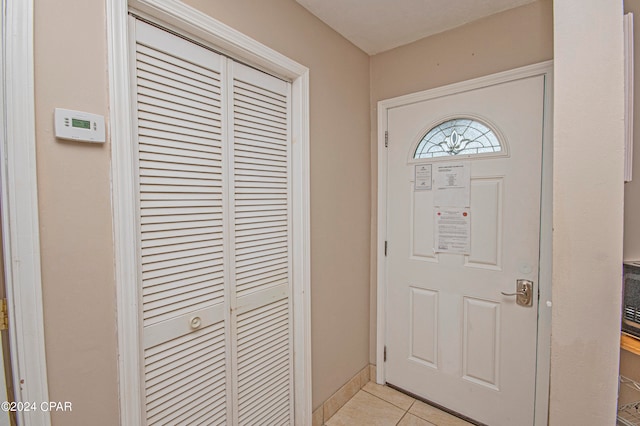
182 18
19 211
544 307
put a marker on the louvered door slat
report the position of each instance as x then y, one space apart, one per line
247 94
187 109
247 131
183 115
264 154
252 99
259 121
252 94
175 239
262 261
152 168
266 256
175 65
150 128
155 96
161 88
267 223
166 281
164 244
187 162
261 141
176 246
151 61
258 145
159 77
173 221
157 187
154 118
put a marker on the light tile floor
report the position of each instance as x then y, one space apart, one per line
376 405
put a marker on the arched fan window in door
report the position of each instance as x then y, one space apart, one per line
458 136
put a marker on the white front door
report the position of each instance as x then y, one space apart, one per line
452 337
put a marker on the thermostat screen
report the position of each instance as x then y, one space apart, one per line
83 124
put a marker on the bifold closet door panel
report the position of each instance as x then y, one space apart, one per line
179 101
214 169
262 241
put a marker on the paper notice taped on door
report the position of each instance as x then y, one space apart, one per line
452 183
422 177
452 230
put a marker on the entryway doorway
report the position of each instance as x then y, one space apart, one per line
462 207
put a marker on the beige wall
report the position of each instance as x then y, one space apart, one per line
75 214
632 189
75 206
587 211
500 42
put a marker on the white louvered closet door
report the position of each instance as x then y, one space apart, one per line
262 239
214 236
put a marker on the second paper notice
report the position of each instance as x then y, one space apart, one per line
452 230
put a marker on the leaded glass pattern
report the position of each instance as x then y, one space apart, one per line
459 136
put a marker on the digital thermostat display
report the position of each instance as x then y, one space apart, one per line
79 126
83 124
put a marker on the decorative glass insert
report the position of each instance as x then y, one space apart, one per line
458 136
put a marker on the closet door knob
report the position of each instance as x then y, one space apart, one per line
195 322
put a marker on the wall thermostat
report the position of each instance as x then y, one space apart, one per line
79 126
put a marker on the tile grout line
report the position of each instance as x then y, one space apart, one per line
416 414
381 399
403 416
389 402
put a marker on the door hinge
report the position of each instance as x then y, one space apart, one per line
4 315
385 354
385 248
386 139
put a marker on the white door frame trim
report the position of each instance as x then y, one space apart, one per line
183 18
20 225
544 309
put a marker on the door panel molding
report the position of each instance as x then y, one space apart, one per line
544 314
188 21
492 200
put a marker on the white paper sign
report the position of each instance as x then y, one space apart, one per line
452 185
452 230
423 177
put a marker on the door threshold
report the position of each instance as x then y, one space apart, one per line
438 406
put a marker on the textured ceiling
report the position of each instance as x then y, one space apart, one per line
378 25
